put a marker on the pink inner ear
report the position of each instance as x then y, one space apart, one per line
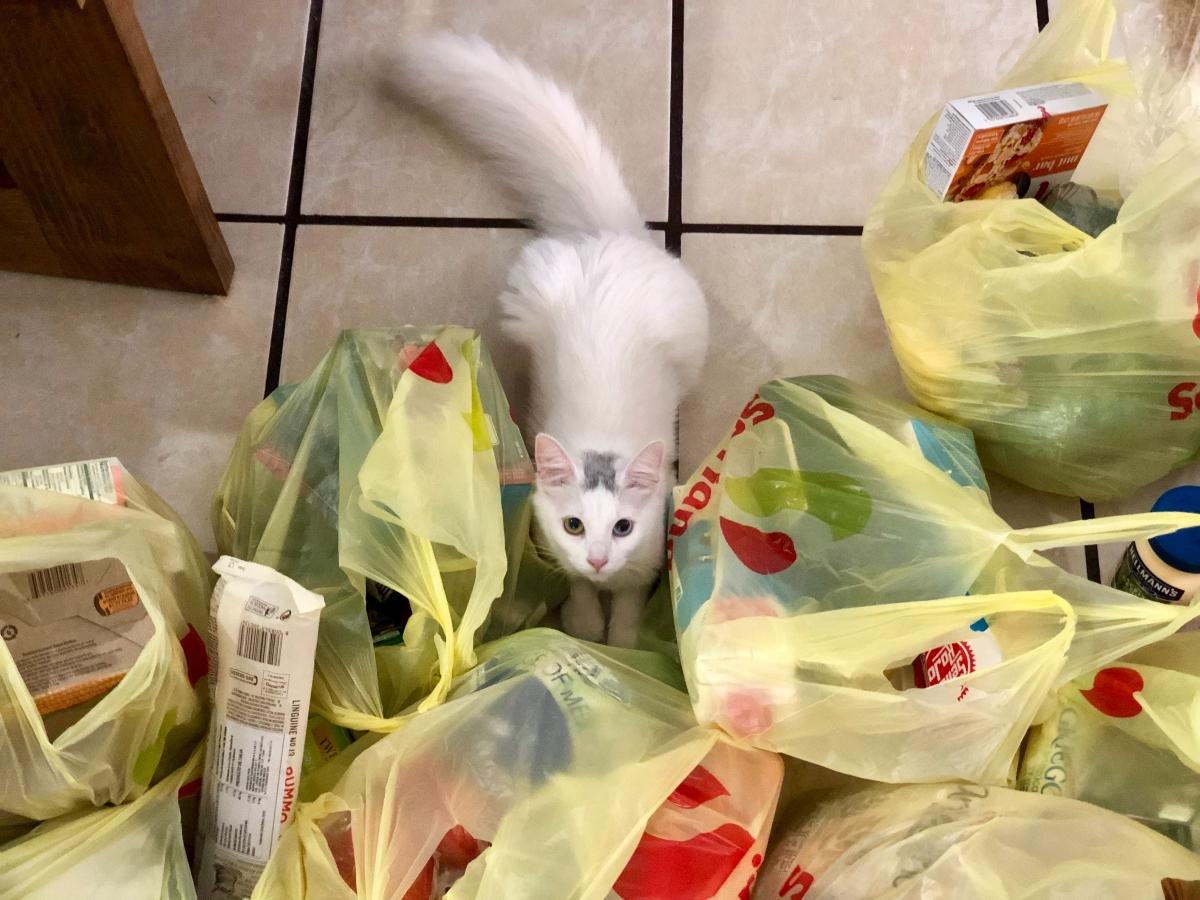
554 465
644 471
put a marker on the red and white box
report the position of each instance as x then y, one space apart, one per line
1014 143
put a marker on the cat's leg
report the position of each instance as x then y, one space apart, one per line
626 616
582 615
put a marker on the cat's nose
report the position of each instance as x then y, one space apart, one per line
597 562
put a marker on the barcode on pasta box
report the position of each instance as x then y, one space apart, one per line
93 479
54 580
259 643
994 108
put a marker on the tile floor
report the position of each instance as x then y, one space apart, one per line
754 136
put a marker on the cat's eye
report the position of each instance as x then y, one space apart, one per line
622 527
573 525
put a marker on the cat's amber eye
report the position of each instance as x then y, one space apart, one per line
573 525
622 527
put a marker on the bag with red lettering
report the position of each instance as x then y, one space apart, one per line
1074 359
964 840
844 592
555 769
1127 737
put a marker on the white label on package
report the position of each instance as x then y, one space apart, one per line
262 641
93 479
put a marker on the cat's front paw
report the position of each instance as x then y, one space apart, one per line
585 622
623 635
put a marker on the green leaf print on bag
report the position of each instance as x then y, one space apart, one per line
841 502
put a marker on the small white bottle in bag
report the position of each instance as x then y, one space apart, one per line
1165 568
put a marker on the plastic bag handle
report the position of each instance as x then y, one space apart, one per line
1106 530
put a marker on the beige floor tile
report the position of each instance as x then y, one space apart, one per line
355 277
796 111
779 306
368 154
1139 501
232 72
1023 507
160 380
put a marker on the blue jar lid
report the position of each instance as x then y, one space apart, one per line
1181 549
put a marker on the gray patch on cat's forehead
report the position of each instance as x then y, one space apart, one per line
599 470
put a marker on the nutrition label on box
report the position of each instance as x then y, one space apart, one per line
93 479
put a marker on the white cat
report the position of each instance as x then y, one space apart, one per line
615 327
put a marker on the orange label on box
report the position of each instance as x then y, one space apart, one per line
1038 149
1016 143
115 599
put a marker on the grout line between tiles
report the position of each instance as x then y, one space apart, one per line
257 218
1091 553
735 228
674 224
291 217
1043 13
369 221
673 230
411 221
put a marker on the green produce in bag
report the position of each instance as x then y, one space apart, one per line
391 478
844 593
1074 359
556 768
118 853
103 600
1127 737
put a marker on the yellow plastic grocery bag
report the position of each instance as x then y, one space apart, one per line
1075 360
967 841
118 853
557 769
391 478
844 593
98 729
1127 737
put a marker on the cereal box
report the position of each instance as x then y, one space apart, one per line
1014 143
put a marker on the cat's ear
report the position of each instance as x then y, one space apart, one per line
644 471
554 465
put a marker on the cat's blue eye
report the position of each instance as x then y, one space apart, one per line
573 525
622 527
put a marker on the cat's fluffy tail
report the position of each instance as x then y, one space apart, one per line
533 132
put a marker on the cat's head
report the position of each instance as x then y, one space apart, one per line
601 515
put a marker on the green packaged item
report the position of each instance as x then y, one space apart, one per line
1073 357
393 482
1127 737
844 592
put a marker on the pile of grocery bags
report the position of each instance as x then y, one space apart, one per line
868 683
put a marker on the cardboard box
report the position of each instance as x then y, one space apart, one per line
73 629
1014 143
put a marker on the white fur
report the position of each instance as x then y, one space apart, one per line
616 328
